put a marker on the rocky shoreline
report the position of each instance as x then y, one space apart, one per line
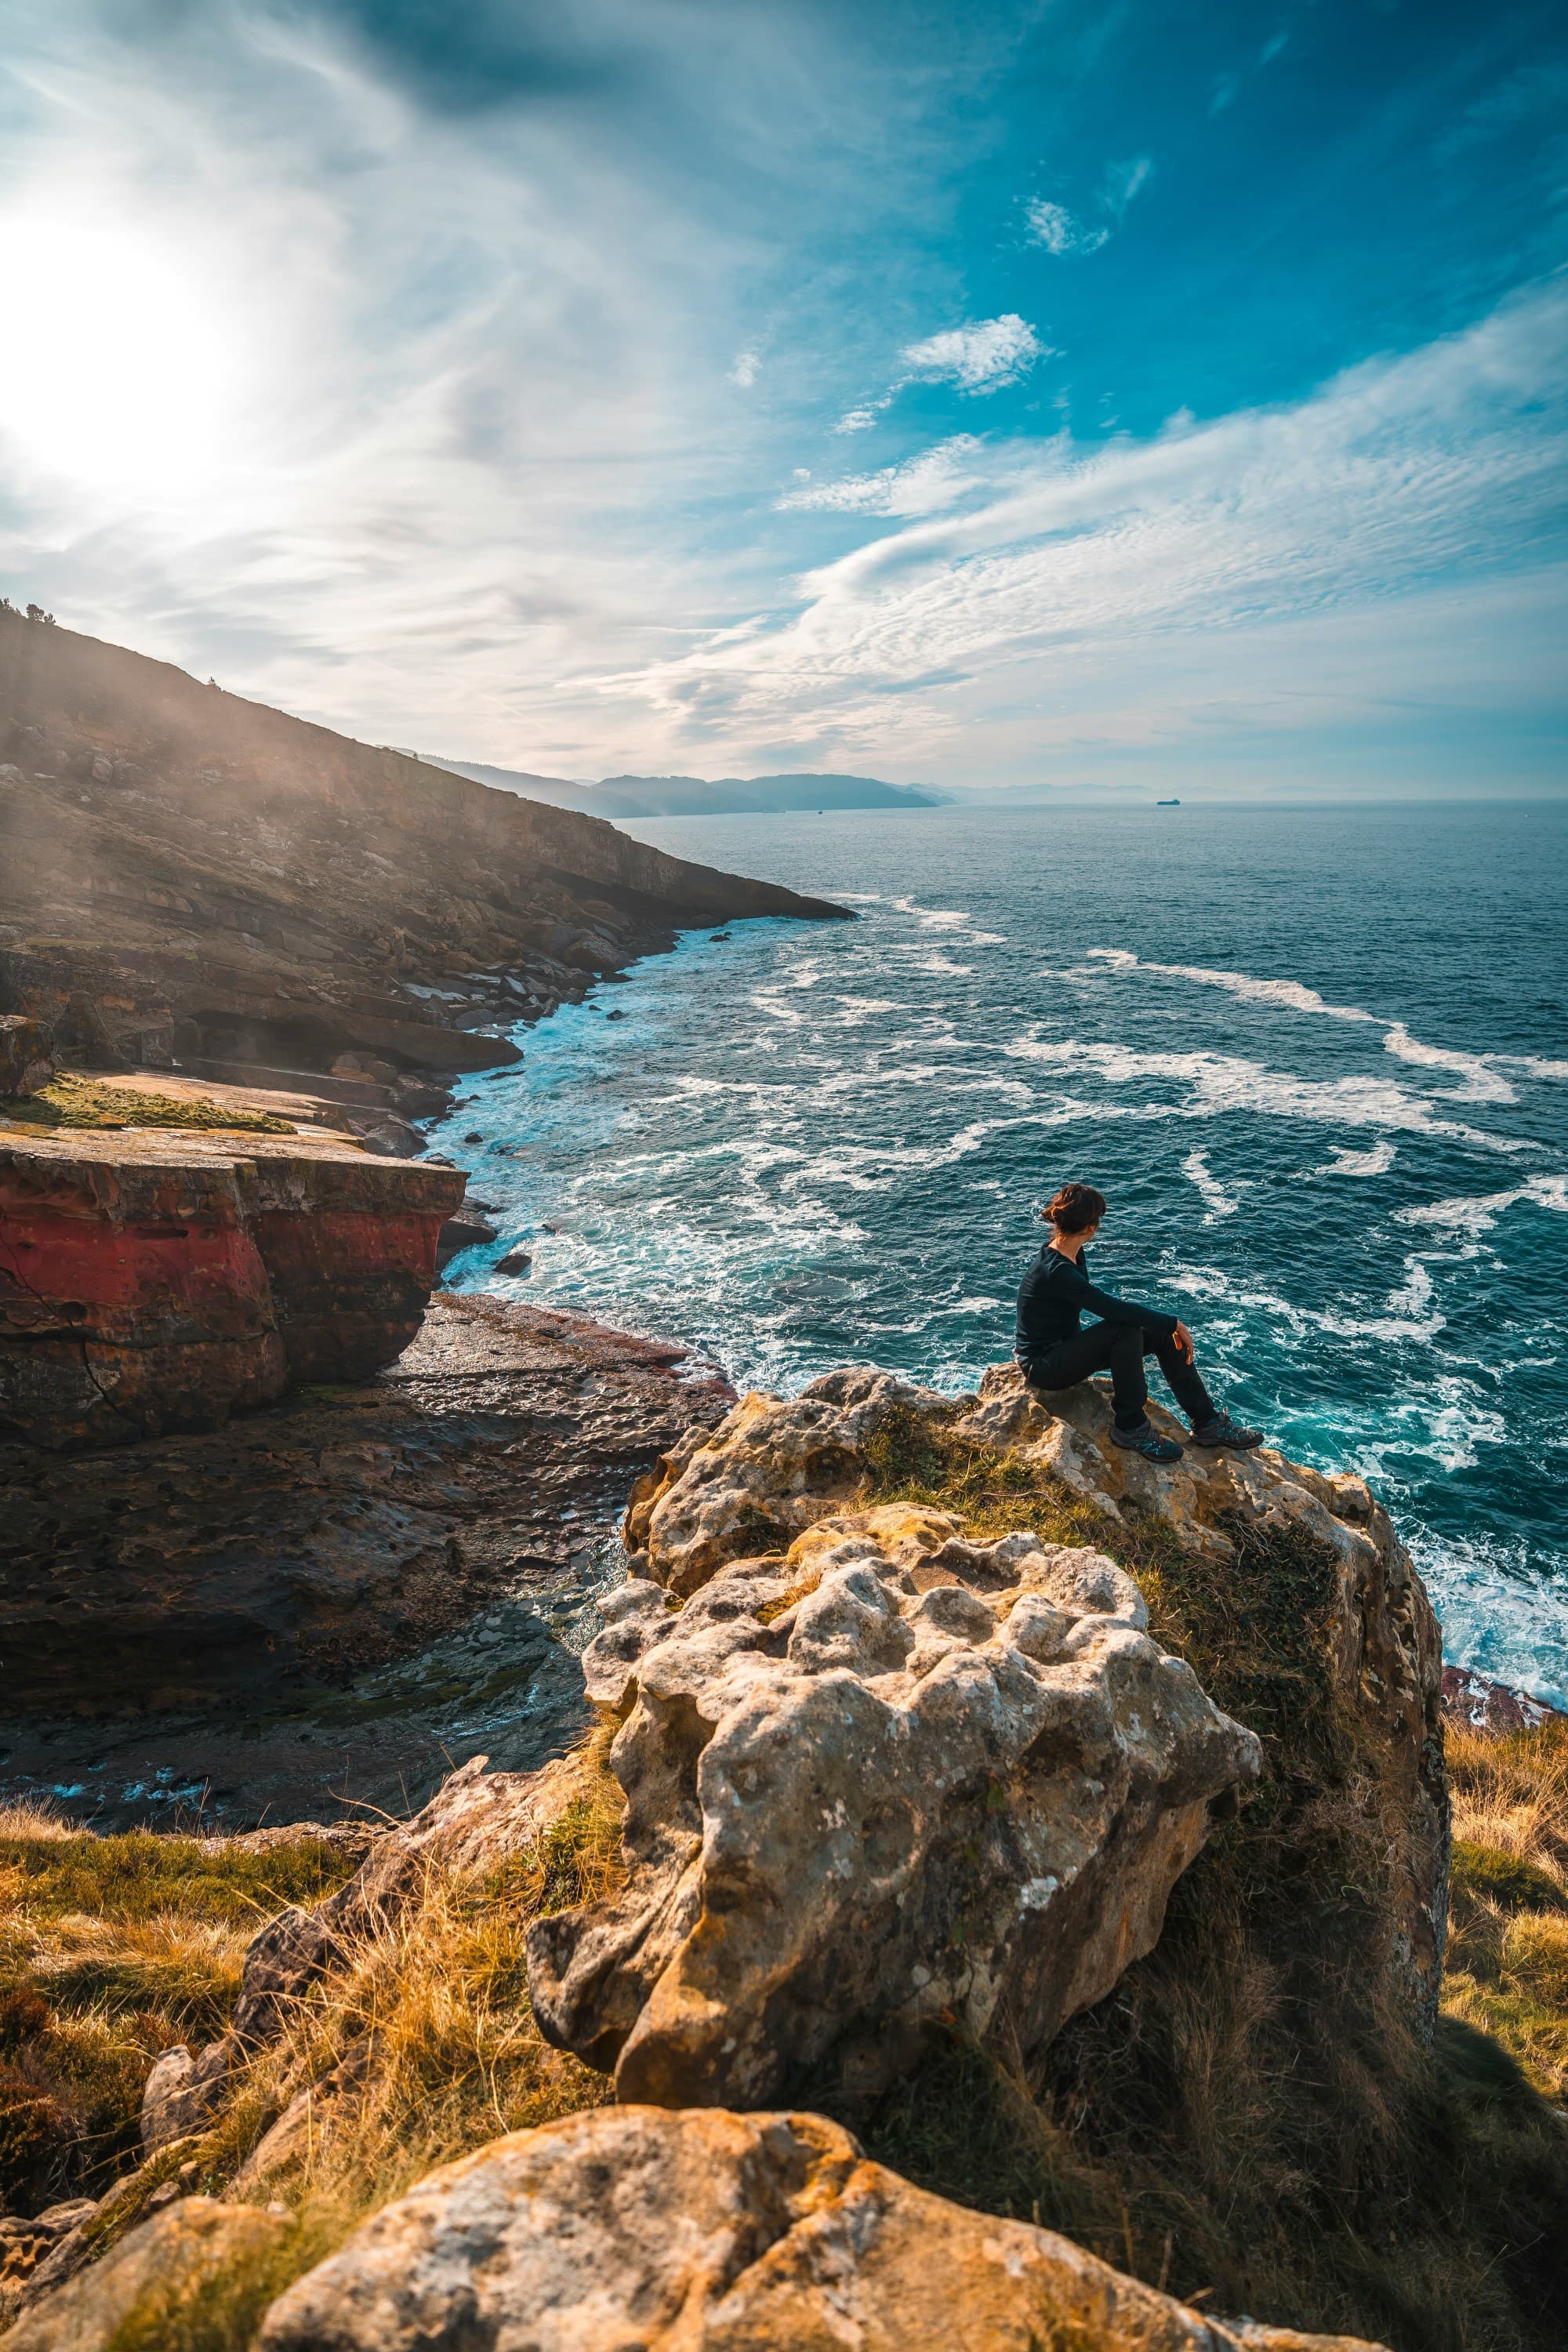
304 1610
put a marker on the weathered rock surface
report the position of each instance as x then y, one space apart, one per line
1482 1705
708 2231
890 1776
139 2287
777 1465
181 2090
26 1055
151 1282
318 1601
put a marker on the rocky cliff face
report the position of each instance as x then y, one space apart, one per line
776 1466
153 1282
192 878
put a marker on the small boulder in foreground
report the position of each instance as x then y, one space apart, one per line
708 2232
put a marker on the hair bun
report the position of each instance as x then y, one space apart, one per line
1075 1208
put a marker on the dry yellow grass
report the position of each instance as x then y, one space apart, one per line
1507 1954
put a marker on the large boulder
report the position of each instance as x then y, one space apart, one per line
891 1777
153 1281
777 1465
708 2232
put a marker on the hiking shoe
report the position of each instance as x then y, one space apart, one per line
1223 1431
1147 1440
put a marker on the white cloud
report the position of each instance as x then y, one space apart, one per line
921 484
1054 227
1281 572
858 420
1123 182
979 358
747 368
1050 224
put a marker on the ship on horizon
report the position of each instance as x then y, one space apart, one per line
1167 804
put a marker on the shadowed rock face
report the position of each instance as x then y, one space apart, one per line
889 1777
779 1466
151 1282
716 2232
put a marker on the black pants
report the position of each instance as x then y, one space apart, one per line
1120 1349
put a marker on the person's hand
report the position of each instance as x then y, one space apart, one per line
1184 1339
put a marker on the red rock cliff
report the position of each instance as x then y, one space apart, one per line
162 1282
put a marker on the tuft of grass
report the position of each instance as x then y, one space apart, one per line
1508 1949
111 1949
72 1099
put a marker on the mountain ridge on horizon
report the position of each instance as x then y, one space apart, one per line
677 796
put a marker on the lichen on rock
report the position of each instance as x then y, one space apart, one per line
890 1776
718 2232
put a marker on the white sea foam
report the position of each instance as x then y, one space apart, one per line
1481 1073
1482 1210
1216 1200
1224 1082
1376 1162
1483 1083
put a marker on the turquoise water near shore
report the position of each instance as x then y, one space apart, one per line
1316 1058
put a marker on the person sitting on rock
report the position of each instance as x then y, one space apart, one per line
1057 1353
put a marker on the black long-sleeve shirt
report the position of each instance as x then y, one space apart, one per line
1056 1291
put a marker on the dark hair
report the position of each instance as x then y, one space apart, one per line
1075 1208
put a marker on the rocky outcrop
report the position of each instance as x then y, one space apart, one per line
189 877
156 1281
775 1466
1495 1709
891 1777
718 2232
26 1055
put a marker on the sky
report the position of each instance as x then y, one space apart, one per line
1107 395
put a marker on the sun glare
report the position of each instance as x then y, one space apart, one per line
119 370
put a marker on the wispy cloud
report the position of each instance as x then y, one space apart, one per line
921 484
1394 481
748 367
979 358
1050 224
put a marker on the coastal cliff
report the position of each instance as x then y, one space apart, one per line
1004 1902
193 880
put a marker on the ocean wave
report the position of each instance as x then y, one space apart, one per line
1216 1200
1482 1072
1377 1161
1480 1211
1224 1082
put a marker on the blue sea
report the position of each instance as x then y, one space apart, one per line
1316 1058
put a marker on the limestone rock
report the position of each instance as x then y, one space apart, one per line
709 2232
181 2090
772 1468
475 1819
891 1776
142 2283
